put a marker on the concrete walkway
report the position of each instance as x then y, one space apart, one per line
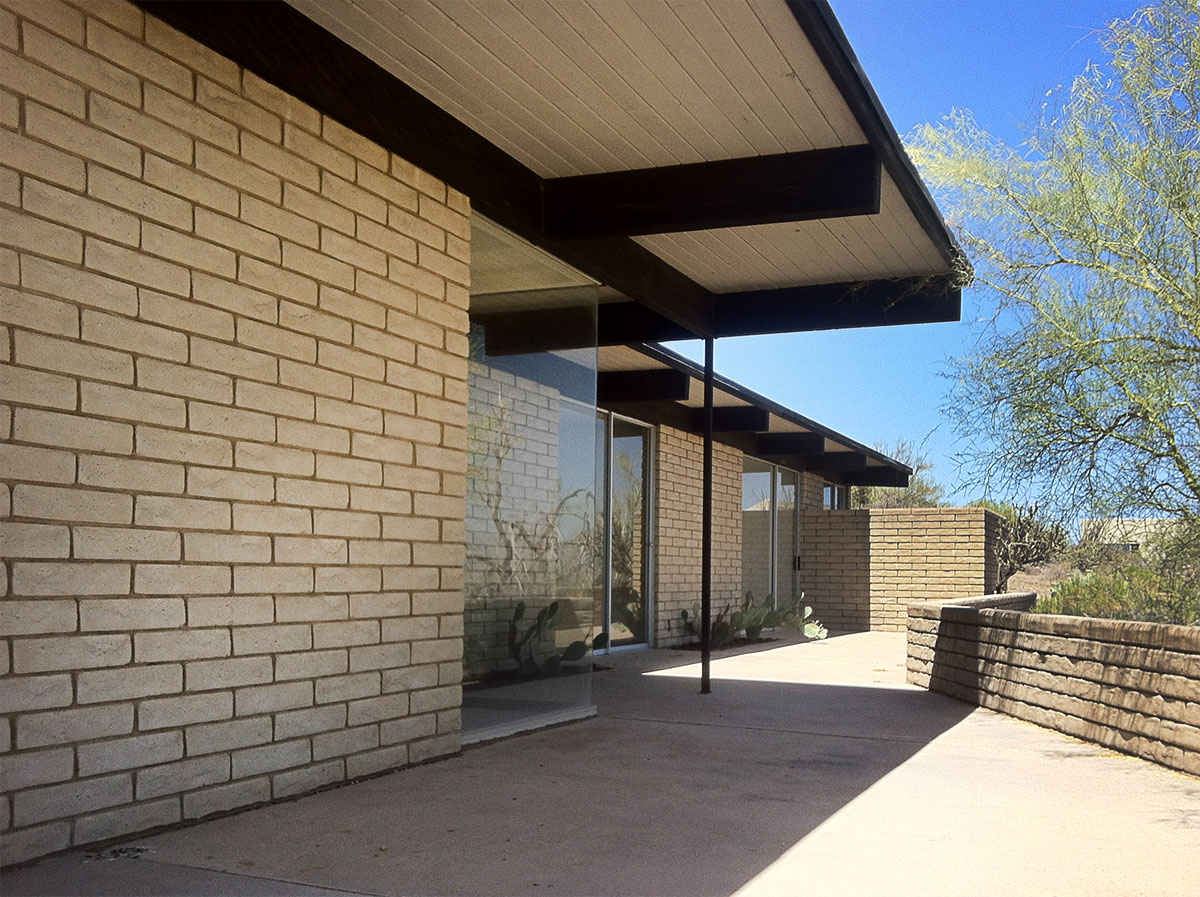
812 769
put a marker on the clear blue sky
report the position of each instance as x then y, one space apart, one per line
997 58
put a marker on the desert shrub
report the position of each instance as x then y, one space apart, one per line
1028 536
1160 586
752 619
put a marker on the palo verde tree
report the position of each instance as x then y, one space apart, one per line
1083 391
922 490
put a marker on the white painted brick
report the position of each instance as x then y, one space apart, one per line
205 675
52 428
227 548
270 758
126 820
121 120
241 174
275 400
80 212
347 741
316 436
309 664
185 710
154 510
181 380
33 842
276 340
69 578
408 729
228 736
312 493
348 579
272 698
24 693
271 639
234 422
218 483
315 379
34 540
56 801
221 798
275 459
39 617
233 360
230 610
175 445
294 723
272 279
190 184
139 58
308 778
387 656
190 119
69 134
74 725
313 550
78 286
345 633
133 474
271 519
96 686
378 709
347 687
134 336
32 768
124 543
372 762
36 350
180 644
105 400
309 608
114 754
122 614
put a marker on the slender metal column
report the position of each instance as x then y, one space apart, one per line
706 526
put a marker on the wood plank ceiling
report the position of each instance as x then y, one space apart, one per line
595 86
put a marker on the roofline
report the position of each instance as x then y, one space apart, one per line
820 26
682 363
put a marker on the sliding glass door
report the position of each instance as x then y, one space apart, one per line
770 531
624 593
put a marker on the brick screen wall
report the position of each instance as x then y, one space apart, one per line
678 511
233 458
860 568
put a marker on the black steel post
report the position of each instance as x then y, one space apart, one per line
706 526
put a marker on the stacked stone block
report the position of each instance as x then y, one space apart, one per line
234 428
678 513
1133 687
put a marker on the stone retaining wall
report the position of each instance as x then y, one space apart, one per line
1133 687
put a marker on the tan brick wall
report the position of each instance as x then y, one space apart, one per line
233 458
1129 686
860 568
678 512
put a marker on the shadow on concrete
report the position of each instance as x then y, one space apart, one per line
667 792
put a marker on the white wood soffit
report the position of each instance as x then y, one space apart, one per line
591 86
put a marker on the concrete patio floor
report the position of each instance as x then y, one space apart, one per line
811 769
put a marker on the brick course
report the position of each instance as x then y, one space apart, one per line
1128 686
225 484
860 568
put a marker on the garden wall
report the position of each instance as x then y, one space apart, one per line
234 338
1133 687
860 568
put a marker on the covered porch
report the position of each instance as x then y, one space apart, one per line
812 766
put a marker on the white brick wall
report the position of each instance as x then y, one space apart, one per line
233 413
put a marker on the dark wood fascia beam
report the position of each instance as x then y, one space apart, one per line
537 330
289 50
653 385
820 26
779 444
836 462
875 476
874 303
632 322
800 186
732 419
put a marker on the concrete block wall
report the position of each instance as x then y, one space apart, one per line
1133 687
678 512
233 337
860 568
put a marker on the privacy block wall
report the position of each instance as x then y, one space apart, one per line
860 568
234 428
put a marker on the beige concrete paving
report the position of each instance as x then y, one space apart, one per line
811 769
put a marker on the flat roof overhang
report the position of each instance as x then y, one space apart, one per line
653 384
721 168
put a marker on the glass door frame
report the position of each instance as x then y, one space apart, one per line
606 418
773 536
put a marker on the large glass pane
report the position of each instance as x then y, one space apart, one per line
531 539
756 529
786 543
627 607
